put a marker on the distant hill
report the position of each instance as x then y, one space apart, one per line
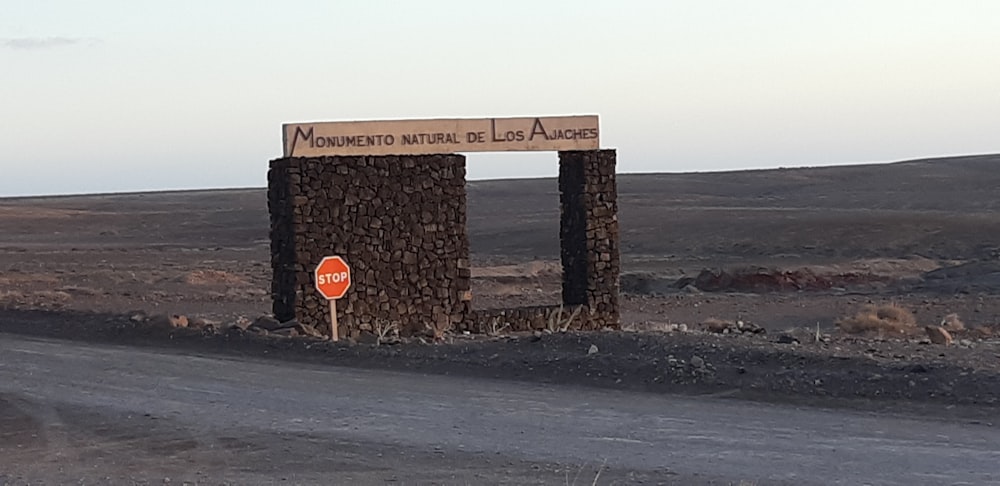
944 208
938 208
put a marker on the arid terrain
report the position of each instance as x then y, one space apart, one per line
770 259
781 249
924 233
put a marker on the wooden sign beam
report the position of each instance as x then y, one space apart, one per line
442 136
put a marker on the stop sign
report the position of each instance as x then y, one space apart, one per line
333 277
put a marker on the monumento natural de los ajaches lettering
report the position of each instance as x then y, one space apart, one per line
538 130
374 137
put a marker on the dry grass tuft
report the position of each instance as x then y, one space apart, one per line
560 321
494 327
889 319
654 326
384 330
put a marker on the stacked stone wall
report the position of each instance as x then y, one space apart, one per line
589 235
399 222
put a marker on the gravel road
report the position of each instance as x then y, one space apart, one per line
99 414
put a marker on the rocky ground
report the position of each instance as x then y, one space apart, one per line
787 253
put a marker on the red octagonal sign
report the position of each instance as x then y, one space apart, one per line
333 277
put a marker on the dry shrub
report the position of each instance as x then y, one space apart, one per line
879 319
952 323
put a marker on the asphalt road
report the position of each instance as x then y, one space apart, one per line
93 414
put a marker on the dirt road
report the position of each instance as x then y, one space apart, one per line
73 412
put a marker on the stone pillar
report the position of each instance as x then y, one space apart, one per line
398 221
589 234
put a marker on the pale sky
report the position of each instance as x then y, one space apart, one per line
108 96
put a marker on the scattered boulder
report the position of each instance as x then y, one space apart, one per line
690 289
981 332
367 338
938 335
654 326
787 339
697 362
305 330
201 323
235 331
284 332
593 349
267 323
647 283
749 327
166 321
718 326
241 323
158 320
260 331
178 320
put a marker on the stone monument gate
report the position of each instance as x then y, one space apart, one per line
389 197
